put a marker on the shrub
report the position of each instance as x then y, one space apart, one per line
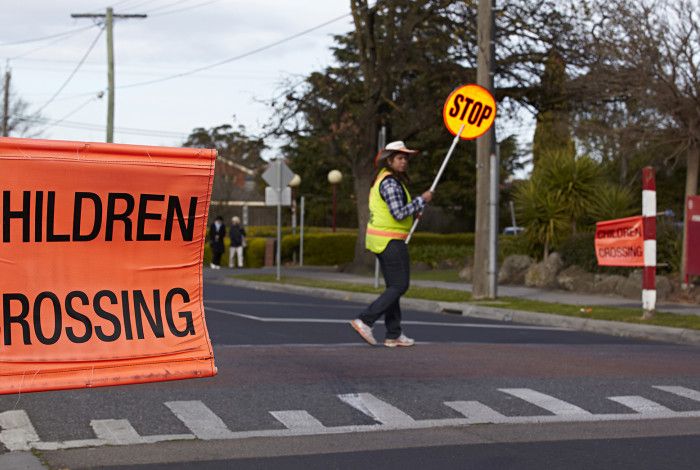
434 254
515 245
270 231
579 249
329 248
426 238
669 245
254 252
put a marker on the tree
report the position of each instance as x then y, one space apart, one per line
553 131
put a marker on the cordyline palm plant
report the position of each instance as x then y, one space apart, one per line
544 214
575 180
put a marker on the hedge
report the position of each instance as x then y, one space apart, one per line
326 248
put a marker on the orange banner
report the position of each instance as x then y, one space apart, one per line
101 256
620 242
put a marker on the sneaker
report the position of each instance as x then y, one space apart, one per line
364 331
212 265
402 340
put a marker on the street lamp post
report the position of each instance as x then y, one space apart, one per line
296 181
334 178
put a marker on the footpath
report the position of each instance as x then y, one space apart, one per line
650 332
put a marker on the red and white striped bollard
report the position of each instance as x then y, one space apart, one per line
649 214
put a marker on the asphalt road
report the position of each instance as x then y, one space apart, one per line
298 388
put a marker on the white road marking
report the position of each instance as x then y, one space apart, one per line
297 419
680 391
199 419
121 432
476 412
116 431
17 431
641 405
547 402
377 409
406 322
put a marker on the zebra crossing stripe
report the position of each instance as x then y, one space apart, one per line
641 405
199 419
680 391
476 412
115 431
16 430
547 402
298 420
121 432
377 409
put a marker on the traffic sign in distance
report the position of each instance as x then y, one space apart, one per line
274 197
272 175
472 106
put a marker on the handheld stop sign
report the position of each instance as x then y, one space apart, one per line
469 112
471 106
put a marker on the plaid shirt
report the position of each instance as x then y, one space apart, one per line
393 194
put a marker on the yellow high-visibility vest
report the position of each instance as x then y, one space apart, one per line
382 226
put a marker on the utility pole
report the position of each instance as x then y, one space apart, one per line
109 17
482 284
6 103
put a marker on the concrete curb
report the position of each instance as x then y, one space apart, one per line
631 330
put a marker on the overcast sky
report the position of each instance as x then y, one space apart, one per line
178 36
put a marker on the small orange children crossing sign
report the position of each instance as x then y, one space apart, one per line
471 106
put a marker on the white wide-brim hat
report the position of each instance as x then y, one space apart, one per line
391 148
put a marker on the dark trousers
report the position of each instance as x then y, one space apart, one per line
216 257
396 267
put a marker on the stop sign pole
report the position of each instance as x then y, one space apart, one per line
437 178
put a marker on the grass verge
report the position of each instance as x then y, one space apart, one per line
621 314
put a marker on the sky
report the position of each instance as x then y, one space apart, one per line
177 37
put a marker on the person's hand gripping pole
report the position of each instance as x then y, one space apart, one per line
437 178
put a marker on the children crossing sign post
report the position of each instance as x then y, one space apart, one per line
469 112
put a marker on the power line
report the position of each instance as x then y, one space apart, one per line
203 4
168 6
112 4
238 57
72 112
62 38
43 38
138 4
75 70
95 127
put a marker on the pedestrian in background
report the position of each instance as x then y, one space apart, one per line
391 212
217 232
237 235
